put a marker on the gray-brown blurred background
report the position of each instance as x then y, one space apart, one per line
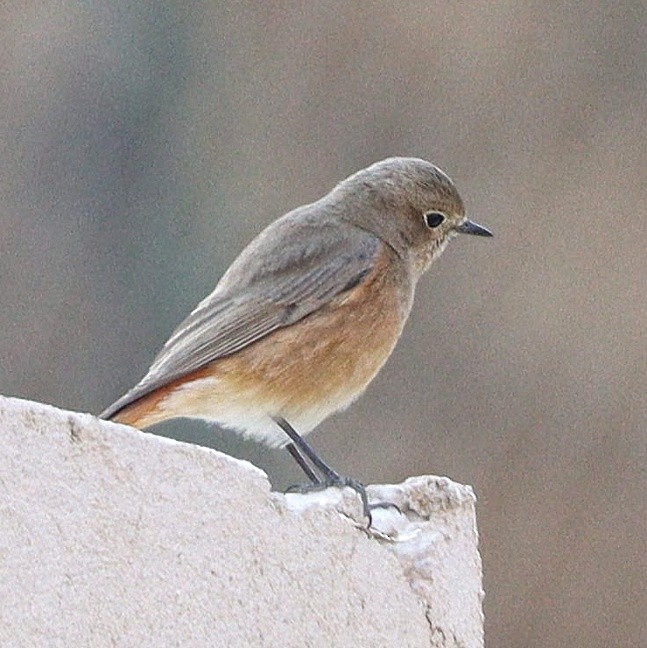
143 144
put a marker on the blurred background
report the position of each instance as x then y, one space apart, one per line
143 144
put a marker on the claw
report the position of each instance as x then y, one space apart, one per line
376 505
343 482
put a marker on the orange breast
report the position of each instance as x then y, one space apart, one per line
330 355
303 372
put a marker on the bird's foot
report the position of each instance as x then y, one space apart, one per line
339 481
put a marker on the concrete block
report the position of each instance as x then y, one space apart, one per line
114 537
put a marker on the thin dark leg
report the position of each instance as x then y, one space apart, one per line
303 464
300 443
331 477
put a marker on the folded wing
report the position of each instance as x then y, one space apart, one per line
268 287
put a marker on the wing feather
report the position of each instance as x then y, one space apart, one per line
254 298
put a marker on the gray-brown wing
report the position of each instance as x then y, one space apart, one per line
255 298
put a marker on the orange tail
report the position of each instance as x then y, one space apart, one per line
145 410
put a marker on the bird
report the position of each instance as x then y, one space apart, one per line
307 314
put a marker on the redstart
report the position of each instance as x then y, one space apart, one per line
308 313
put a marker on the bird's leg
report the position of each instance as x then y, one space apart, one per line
300 447
303 464
306 449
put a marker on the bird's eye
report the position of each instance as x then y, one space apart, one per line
434 219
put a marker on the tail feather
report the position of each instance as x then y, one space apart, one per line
140 414
141 409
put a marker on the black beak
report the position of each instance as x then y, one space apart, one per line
469 227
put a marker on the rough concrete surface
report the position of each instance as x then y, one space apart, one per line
112 537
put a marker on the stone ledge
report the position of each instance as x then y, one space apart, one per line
113 537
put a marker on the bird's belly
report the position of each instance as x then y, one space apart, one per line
303 373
